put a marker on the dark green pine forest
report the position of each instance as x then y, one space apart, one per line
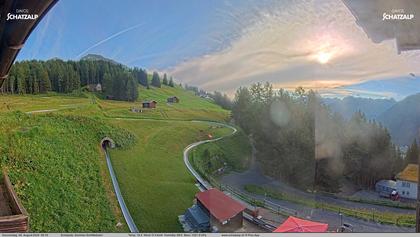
299 140
118 82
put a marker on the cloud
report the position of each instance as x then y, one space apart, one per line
283 43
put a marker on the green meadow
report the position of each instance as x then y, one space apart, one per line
154 181
49 144
57 168
190 107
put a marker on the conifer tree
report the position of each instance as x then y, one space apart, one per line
171 82
156 80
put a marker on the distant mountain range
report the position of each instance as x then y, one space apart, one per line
401 118
97 57
398 87
347 106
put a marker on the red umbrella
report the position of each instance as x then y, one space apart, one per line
293 224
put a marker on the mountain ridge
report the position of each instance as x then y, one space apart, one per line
403 120
347 106
98 57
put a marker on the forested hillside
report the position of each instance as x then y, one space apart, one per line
300 141
118 81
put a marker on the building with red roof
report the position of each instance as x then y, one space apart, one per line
226 214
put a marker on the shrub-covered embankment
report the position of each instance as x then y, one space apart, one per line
56 166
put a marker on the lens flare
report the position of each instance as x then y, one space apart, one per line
323 57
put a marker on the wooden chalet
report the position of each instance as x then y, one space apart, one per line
149 104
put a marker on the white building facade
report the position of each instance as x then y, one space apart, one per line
407 182
407 189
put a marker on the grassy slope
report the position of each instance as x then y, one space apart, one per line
54 163
72 154
234 150
154 181
42 192
190 106
27 103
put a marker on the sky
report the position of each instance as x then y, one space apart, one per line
222 45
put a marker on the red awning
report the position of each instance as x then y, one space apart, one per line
293 224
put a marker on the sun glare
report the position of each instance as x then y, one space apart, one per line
323 57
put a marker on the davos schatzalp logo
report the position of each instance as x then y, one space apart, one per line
21 14
397 14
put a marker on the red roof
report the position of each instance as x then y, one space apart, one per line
293 224
221 206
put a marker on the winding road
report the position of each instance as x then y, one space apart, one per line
333 218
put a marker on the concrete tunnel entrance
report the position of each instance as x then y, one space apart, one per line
107 142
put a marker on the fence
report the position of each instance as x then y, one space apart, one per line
405 220
368 215
252 200
258 202
18 220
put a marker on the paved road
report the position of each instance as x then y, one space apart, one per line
255 176
128 219
333 218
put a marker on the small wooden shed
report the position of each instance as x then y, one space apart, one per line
149 104
13 216
172 99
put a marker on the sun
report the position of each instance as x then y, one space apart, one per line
323 57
